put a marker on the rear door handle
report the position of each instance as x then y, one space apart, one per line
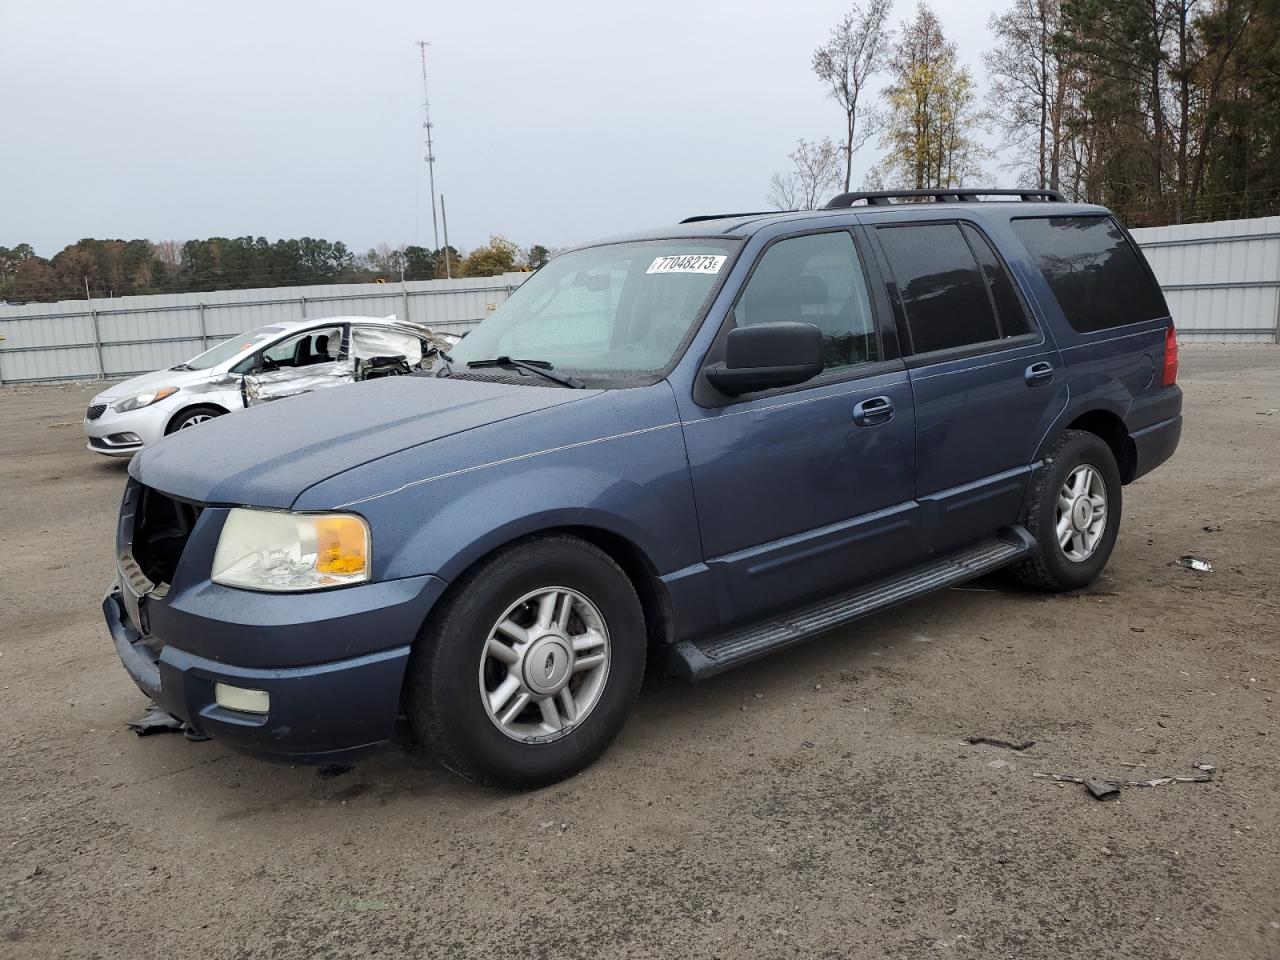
1039 373
877 410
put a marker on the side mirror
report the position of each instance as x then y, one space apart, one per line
767 355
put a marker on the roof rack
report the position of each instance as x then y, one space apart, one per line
725 216
880 198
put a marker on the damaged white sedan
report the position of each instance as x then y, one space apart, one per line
270 363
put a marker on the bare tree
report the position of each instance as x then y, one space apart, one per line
168 252
857 49
1028 84
814 173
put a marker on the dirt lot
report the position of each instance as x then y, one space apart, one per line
819 804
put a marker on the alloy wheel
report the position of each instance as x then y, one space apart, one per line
1081 513
544 665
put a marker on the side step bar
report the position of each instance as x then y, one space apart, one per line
718 653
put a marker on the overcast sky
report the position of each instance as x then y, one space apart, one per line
555 122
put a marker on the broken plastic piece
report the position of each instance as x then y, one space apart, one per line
999 741
1195 563
1103 788
155 720
1109 787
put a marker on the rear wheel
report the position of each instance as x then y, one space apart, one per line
193 417
1074 514
531 665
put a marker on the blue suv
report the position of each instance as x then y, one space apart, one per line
694 446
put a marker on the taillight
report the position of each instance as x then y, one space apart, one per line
1170 357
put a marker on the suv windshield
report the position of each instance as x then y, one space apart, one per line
614 312
229 348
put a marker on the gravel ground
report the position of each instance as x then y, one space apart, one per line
818 804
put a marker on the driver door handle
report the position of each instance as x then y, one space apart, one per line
874 411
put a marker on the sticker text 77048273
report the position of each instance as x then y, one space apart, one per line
690 263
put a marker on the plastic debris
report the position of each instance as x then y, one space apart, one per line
155 720
1102 788
999 741
1195 563
1108 788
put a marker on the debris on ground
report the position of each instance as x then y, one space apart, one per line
999 741
156 720
1102 788
1195 563
1107 788
330 770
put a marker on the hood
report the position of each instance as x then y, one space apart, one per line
268 455
159 378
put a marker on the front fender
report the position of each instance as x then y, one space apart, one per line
490 514
618 465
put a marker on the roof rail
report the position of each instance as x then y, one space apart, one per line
725 216
880 198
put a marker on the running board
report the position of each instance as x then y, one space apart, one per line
720 652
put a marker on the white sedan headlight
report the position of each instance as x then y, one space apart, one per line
271 550
146 398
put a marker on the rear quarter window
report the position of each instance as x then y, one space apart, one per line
1095 273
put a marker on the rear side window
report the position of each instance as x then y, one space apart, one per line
943 290
1010 312
1093 270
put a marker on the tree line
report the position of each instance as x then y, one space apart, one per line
1166 111
107 268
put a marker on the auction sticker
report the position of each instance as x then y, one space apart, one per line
690 263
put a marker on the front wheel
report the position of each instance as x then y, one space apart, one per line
529 668
1074 514
192 417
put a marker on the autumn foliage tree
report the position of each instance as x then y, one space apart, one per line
932 119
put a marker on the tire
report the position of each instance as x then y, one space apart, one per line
191 417
1077 563
455 675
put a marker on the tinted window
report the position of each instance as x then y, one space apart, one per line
1093 271
943 292
815 279
1010 312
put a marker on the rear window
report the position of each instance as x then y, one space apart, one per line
1093 270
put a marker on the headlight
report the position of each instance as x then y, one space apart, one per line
270 550
144 399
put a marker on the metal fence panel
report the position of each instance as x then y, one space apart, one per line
1222 279
124 336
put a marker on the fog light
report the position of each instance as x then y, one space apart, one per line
238 698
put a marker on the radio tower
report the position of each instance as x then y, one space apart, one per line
430 157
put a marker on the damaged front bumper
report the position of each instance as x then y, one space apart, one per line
318 712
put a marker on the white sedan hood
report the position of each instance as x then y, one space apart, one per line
158 378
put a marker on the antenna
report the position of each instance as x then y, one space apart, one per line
431 156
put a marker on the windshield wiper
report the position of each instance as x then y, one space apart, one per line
183 366
540 367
